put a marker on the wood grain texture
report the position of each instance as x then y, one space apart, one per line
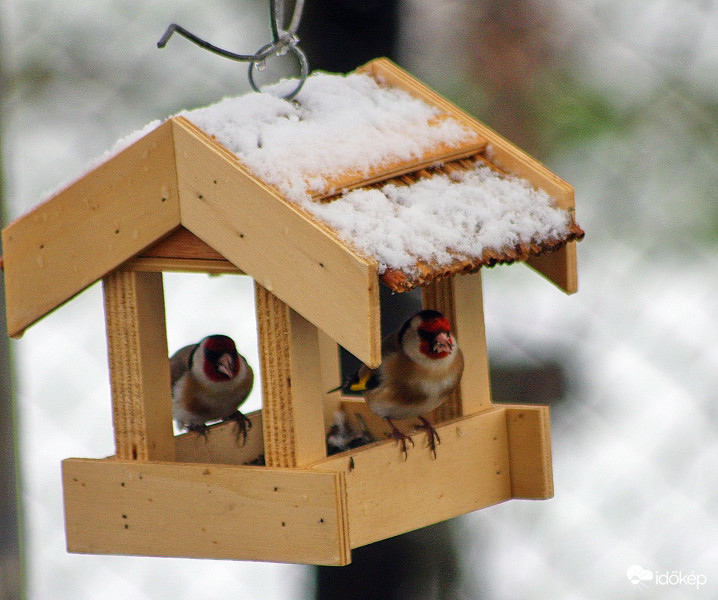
205 511
387 496
181 265
89 228
222 446
278 244
560 267
529 432
440 153
139 366
471 333
293 411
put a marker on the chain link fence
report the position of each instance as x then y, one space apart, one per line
617 97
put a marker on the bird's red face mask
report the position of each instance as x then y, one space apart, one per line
436 340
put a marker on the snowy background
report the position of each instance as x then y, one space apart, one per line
619 97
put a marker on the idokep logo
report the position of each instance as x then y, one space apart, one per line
638 576
641 578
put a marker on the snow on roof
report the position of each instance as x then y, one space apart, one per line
351 122
448 217
337 123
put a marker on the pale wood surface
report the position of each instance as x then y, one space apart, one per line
387 495
222 446
529 433
181 251
293 411
561 267
558 267
181 265
471 333
277 243
139 367
205 511
437 154
78 236
182 243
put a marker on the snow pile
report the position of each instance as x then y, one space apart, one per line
351 124
337 123
438 218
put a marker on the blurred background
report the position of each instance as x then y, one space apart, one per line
619 97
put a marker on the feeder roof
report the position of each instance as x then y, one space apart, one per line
365 175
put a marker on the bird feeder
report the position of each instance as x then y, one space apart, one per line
177 199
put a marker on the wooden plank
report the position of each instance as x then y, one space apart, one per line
139 366
500 152
279 245
181 251
222 446
181 265
293 413
438 154
307 390
529 434
83 232
387 495
560 267
204 511
181 243
471 334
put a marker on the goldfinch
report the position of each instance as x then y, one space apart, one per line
421 365
210 381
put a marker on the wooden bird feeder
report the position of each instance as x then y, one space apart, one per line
177 200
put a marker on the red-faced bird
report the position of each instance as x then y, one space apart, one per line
421 364
210 381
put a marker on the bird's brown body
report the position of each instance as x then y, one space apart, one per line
421 365
209 384
412 385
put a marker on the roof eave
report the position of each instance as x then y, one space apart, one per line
88 229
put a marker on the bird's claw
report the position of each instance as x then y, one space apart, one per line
400 438
242 423
432 435
200 429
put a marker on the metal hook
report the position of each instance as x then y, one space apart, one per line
282 41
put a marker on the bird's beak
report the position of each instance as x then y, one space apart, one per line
443 343
225 365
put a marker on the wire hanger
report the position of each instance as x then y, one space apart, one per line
283 41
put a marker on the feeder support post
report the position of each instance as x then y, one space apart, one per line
293 399
139 365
